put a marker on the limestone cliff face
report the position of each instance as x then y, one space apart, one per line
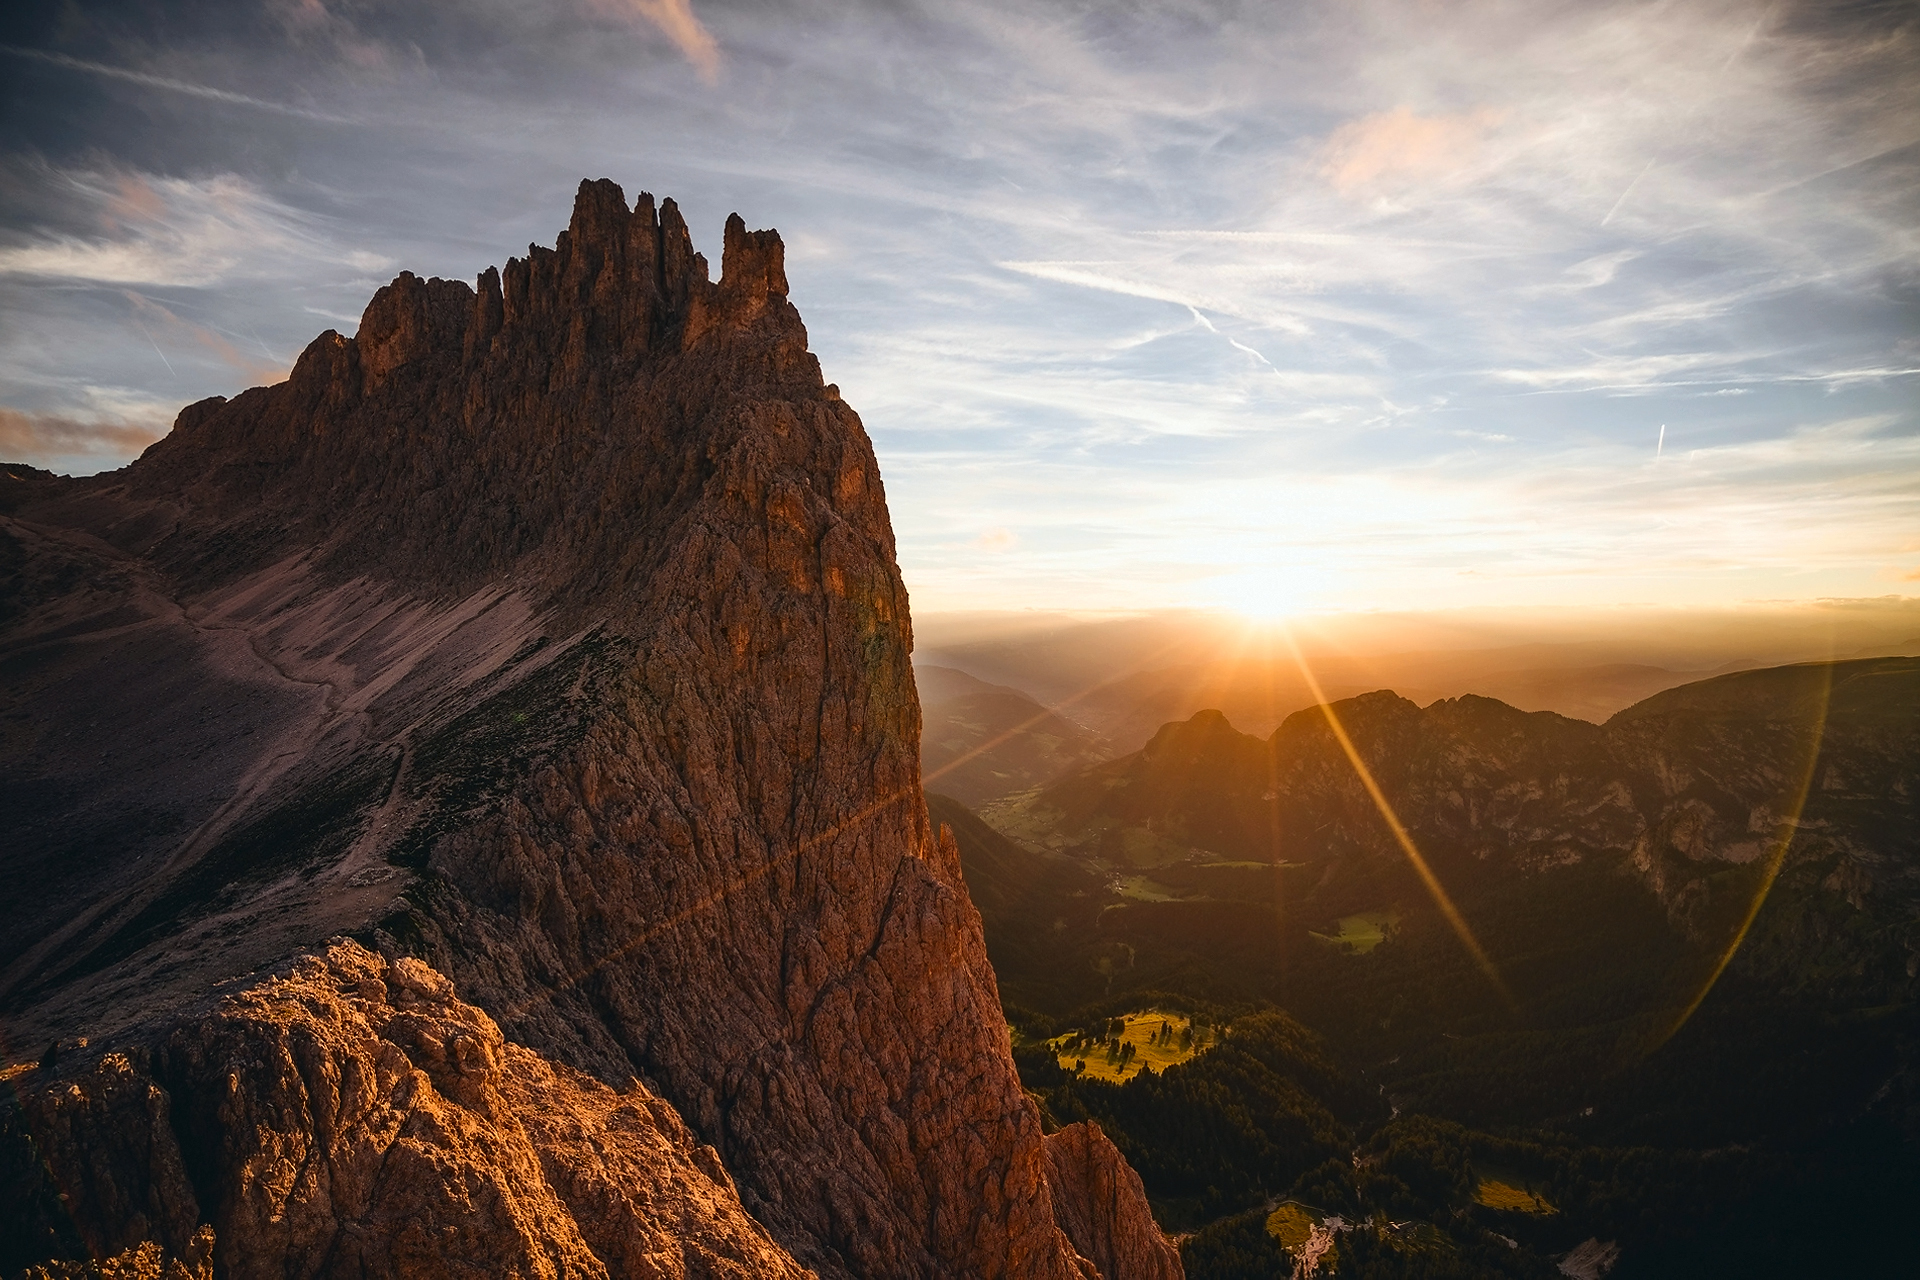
355 1118
547 637
1093 1191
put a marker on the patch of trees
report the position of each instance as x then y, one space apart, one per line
1229 1127
1236 1248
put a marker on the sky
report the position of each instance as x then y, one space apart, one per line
1275 307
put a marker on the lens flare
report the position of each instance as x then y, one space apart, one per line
688 913
1776 859
1432 882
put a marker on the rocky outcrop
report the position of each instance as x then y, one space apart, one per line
105 1140
1094 1191
547 632
355 1118
144 1261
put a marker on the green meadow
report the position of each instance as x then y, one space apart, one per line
1361 933
1157 1040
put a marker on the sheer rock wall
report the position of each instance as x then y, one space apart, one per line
582 589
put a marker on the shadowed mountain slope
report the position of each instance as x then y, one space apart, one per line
981 741
1672 988
1696 791
546 637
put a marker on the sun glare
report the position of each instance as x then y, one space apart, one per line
1265 594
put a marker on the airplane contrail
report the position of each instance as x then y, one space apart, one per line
1660 448
171 85
1624 194
156 347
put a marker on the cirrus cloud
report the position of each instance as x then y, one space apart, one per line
163 231
676 20
1389 148
50 438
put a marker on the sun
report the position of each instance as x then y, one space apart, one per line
1265 593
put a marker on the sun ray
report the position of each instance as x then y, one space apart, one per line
1048 710
1220 674
1427 877
1272 798
687 913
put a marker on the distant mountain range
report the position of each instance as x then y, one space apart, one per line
1663 969
980 741
1817 763
1123 680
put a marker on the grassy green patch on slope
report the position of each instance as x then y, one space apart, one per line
1362 932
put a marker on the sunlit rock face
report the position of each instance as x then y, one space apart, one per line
356 1118
547 638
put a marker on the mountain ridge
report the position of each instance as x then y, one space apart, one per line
1685 784
980 741
546 636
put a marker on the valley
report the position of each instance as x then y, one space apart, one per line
1693 1028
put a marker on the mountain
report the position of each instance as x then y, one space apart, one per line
1124 678
1661 970
979 741
465 820
1697 791
1032 901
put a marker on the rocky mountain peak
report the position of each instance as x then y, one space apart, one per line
410 319
546 638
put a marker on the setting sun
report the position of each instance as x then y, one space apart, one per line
1266 593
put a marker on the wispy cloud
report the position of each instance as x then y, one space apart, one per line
50 439
164 231
1169 293
1388 148
171 84
676 20
256 369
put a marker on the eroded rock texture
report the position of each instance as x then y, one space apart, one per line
355 1118
549 633
1094 1190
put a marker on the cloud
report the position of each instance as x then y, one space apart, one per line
1486 254
311 20
163 231
677 21
170 84
41 438
259 370
1389 148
